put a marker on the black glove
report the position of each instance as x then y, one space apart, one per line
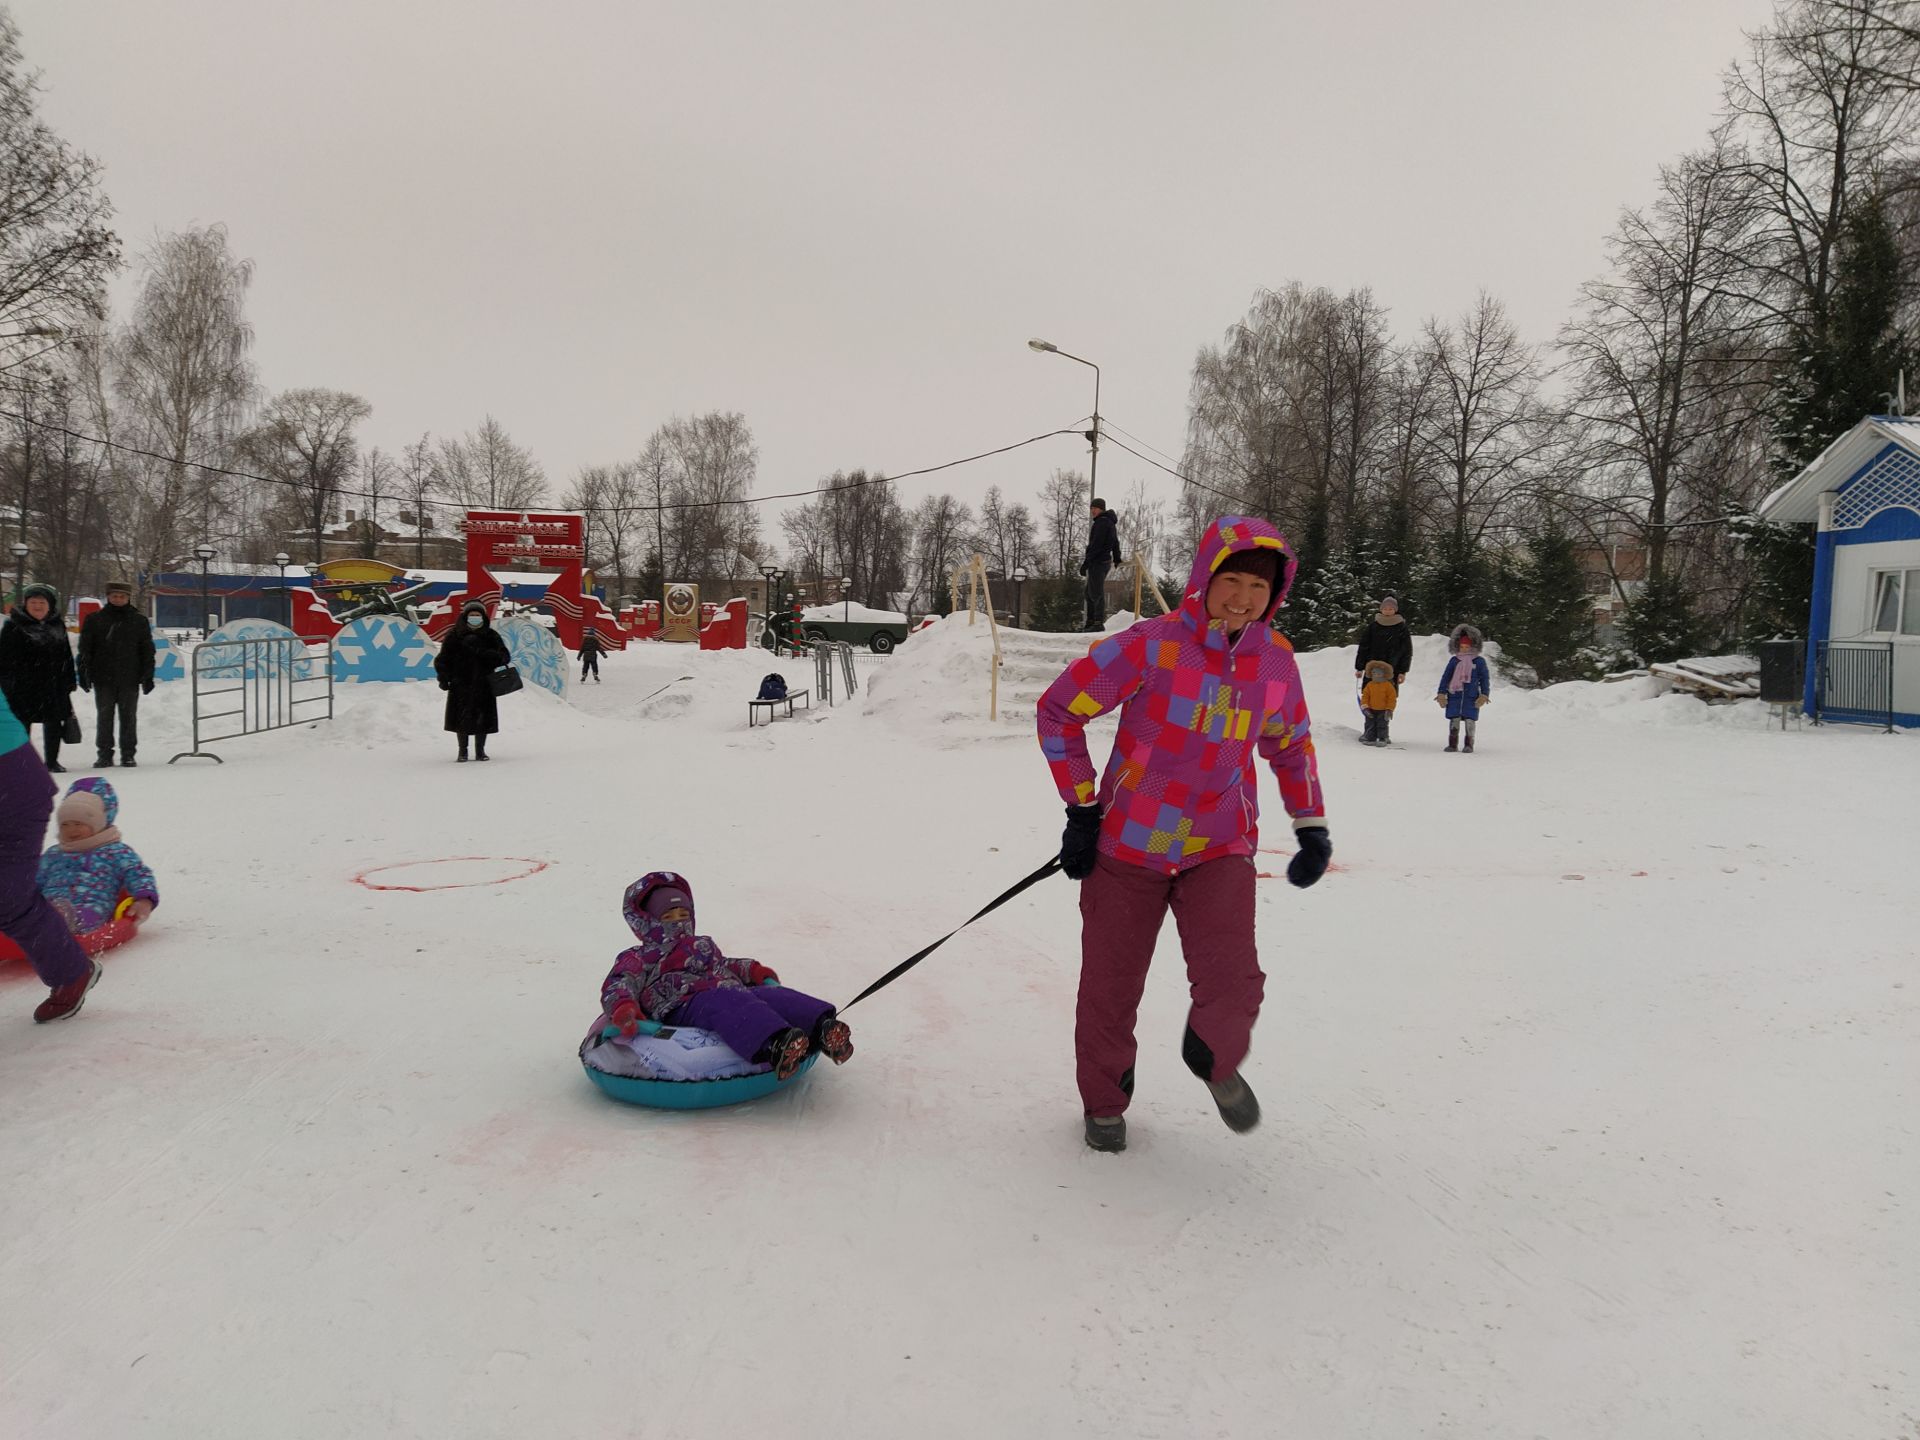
1316 849
445 686
146 687
1080 843
82 681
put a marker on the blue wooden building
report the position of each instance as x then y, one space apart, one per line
1863 644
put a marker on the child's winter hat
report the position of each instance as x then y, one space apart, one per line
90 800
664 899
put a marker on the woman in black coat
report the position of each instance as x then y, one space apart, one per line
469 655
36 666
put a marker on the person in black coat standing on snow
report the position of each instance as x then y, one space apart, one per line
469 655
116 664
36 667
1103 553
1385 637
590 652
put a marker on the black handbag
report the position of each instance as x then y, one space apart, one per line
70 733
505 680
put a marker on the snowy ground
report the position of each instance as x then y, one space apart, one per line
1589 1078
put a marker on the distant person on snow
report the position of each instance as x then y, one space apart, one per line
1207 691
469 655
36 667
92 869
26 800
676 977
1378 697
116 664
1385 637
1103 553
1465 686
590 652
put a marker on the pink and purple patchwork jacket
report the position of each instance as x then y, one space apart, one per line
670 962
1179 787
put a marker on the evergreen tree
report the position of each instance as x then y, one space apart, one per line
1780 586
1548 618
1660 623
1057 606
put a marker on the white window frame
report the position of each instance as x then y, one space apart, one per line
1909 587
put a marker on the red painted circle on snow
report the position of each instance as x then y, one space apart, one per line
534 867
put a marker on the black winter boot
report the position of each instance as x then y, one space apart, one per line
1238 1108
461 758
1107 1133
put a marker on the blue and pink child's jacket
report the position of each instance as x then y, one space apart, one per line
670 962
85 885
1199 710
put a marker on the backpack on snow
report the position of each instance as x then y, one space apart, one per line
774 687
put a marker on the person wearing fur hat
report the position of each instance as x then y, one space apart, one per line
1465 686
1386 639
469 655
36 667
676 977
116 664
26 800
1207 692
92 869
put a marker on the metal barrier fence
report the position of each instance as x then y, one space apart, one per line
248 687
825 652
1853 681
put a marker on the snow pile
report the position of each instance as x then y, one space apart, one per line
939 685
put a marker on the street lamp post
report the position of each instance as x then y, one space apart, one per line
846 597
286 601
19 568
1047 347
204 553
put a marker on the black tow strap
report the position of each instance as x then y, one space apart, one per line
914 959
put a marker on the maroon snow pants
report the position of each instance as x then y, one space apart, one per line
1121 907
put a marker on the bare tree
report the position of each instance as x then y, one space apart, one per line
378 477
1063 521
56 251
485 470
1148 530
418 478
612 499
1003 532
305 441
711 462
185 380
855 531
941 527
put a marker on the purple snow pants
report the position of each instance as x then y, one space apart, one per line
748 1019
1121 908
26 803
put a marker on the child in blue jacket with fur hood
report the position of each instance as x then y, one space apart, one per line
92 869
1465 686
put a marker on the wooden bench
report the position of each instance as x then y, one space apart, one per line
753 706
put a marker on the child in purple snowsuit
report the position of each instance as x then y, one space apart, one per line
675 977
26 800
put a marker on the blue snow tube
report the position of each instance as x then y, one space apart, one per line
685 1094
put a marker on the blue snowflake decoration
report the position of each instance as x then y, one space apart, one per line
381 649
540 658
167 661
219 661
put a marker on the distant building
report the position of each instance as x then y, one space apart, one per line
357 534
1615 572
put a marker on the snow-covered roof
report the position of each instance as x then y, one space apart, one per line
1798 501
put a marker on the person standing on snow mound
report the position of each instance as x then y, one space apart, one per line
26 800
469 655
1207 691
1103 553
1385 637
676 977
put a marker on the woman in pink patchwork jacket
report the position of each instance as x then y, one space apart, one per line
1207 692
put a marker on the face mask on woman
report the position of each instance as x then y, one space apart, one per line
474 622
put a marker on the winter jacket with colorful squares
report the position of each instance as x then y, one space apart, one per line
85 885
1199 709
671 962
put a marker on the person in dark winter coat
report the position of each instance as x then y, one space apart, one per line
469 655
1103 553
1385 637
36 667
1465 686
590 652
677 977
116 664
26 917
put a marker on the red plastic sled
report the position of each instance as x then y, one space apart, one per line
116 931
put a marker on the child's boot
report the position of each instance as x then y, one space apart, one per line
1380 731
1468 747
785 1051
1107 1133
66 1000
1453 735
834 1040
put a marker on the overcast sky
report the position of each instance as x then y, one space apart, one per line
846 219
